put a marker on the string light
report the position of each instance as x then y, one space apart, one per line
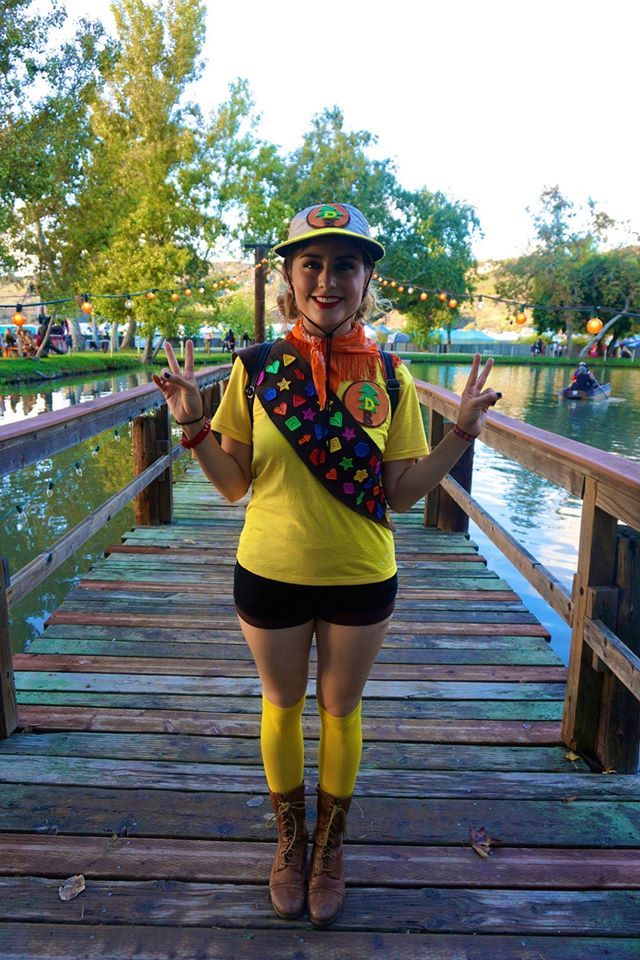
86 306
175 297
128 304
50 487
18 318
480 303
453 303
187 292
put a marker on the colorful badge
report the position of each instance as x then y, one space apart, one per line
328 215
367 402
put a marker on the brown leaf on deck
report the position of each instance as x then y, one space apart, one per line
481 842
571 756
568 799
71 887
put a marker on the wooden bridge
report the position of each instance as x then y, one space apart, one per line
130 755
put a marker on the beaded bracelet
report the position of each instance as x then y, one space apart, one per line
469 437
199 437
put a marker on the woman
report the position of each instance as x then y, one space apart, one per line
326 454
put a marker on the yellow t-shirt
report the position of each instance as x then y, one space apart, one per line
295 531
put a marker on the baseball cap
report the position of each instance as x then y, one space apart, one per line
326 219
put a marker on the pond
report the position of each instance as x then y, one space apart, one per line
544 518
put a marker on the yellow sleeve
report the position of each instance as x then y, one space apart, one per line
406 440
232 416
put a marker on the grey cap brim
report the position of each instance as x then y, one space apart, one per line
375 249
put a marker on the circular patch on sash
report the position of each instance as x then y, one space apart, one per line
367 402
328 215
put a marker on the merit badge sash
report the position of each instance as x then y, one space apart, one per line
331 443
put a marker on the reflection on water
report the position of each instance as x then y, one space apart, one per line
544 518
29 400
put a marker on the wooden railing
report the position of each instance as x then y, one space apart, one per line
28 442
602 704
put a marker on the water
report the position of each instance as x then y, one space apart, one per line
72 498
543 517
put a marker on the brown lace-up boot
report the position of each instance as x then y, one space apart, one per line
326 881
287 882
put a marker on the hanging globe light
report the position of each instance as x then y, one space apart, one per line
594 325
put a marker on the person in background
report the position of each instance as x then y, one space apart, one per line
246 339
583 379
207 333
326 455
231 338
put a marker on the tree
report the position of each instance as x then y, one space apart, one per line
333 165
428 244
44 129
612 280
550 274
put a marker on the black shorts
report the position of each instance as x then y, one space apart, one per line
274 605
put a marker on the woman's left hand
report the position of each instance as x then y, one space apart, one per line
475 401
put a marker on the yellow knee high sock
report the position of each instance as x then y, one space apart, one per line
282 745
340 751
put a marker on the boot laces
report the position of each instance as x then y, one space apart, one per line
286 816
330 842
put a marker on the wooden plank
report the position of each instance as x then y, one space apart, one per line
230 778
66 941
524 710
207 634
250 686
158 721
163 618
33 662
85 810
205 749
367 908
237 654
128 858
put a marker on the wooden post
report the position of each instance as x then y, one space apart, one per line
596 567
441 510
151 440
432 500
260 250
618 738
8 704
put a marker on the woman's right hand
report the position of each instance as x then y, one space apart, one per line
180 390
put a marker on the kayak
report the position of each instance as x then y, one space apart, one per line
595 393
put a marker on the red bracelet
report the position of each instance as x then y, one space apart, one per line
199 437
469 437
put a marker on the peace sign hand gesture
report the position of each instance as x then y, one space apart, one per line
474 400
180 390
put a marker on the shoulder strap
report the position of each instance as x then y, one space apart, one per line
393 384
253 359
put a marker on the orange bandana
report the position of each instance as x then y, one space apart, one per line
353 357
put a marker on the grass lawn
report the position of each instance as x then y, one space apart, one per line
597 363
25 370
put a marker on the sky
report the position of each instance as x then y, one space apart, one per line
487 101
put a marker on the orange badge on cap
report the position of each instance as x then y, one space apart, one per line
328 215
367 402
